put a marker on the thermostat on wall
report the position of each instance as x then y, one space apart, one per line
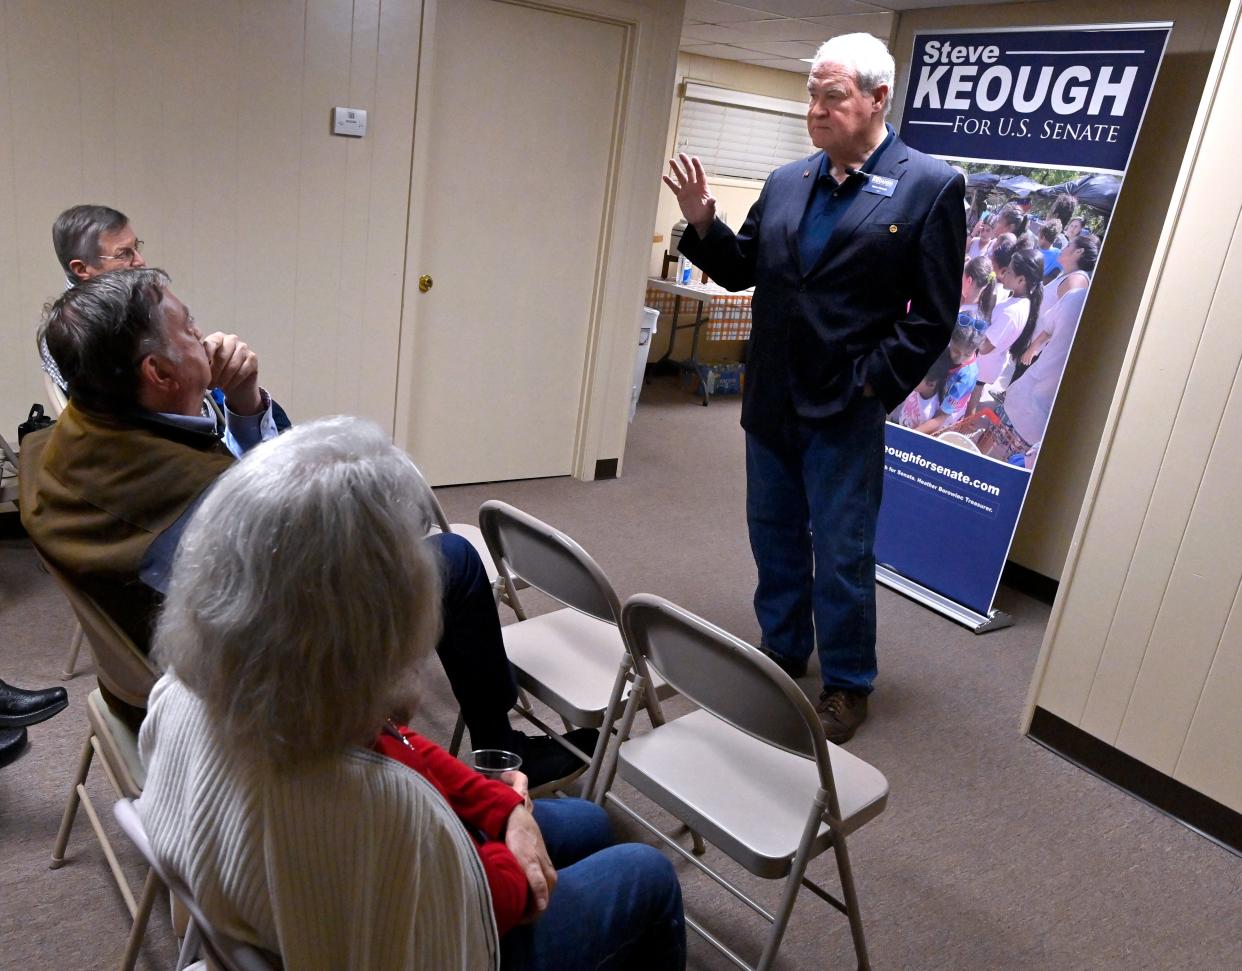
349 121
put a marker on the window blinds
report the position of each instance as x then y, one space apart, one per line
738 134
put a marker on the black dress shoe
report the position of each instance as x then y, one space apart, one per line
544 760
12 744
19 708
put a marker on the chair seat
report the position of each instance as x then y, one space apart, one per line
120 742
569 660
687 764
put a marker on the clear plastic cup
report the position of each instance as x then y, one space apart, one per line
494 762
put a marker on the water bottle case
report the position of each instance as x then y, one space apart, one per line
685 270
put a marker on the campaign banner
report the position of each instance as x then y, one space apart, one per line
1043 122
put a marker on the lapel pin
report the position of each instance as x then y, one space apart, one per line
806 174
892 229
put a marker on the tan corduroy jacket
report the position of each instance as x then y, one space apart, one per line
96 490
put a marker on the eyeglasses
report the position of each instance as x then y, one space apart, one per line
127 255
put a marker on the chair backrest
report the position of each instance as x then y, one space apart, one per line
8 472
7 453
56 399
123 669
437 510
548 560
724 675
229 953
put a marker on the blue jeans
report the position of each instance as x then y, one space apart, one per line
614 906
471 647
812 499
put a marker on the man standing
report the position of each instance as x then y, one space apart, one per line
855 254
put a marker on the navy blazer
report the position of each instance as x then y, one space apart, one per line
822 332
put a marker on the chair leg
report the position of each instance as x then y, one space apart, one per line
605 771
851 902
509 593
72 661
71 808
118 875
189 946
793 883
141 916
179 916
459 731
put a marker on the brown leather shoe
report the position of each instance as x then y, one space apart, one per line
841 712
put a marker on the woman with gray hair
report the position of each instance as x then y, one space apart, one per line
282 786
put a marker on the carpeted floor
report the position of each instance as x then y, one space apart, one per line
993 853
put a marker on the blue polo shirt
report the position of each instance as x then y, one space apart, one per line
828 202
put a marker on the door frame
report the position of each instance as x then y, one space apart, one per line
648 70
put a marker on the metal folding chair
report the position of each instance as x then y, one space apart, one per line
227 952
128 675
471 534
574 660
750 770
56 398
9 492
8 471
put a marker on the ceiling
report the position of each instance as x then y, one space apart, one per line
777 33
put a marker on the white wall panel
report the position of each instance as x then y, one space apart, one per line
1144 649
208 124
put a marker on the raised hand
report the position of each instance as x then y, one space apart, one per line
689 185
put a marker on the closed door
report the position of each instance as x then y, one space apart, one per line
515 136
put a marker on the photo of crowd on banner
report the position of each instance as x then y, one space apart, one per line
1031 250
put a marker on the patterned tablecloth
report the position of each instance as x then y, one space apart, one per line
727 314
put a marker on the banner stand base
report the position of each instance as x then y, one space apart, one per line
978 623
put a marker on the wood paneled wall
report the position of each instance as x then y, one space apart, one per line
209 125
1144 650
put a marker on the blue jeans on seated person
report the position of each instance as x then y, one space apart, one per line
812 501
615 906
471 647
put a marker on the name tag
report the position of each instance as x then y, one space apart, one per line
880 185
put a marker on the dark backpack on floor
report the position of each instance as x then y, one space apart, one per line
34 421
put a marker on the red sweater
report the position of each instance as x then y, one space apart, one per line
482 804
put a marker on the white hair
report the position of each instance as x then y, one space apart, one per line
303 595
866 57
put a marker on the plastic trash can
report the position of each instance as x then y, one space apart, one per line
646 330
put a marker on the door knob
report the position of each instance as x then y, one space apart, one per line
424 283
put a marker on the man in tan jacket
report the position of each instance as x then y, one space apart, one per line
107 491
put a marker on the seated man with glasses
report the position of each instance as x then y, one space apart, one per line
90 240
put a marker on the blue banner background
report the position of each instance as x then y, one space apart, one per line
1005 134
940 525
943 529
